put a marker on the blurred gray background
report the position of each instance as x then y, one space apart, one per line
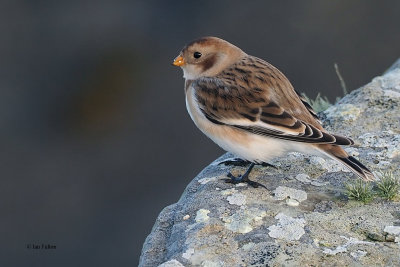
94 132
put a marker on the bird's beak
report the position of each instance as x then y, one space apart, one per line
178 61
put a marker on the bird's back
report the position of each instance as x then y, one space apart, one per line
253 73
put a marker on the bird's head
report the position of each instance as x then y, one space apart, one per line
206 57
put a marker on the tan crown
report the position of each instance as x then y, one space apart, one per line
215 55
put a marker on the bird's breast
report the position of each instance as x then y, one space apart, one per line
230 139
195 113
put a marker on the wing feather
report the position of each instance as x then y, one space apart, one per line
308 106
249 107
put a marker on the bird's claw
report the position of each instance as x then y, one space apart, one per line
242 179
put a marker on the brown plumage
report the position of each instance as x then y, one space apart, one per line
248 107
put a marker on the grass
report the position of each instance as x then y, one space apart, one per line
320 103
388 186
342 82
360 191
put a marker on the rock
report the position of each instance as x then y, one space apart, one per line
283 192
393 233
171 263
244 220
343 248
395 65
237 199
287 228
393 230
292 202
358 254
303 217
304 178
202 216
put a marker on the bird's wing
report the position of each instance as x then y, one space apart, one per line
230 100
309 107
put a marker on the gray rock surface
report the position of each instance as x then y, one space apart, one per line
303 217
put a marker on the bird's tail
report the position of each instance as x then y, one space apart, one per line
337 153
357 167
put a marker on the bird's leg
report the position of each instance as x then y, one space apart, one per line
244 178
235 162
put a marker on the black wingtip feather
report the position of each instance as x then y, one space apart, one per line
355 161
357 167
328 138
344 141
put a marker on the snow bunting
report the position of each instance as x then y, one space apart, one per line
249 108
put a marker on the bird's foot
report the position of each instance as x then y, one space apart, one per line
235 162
242 179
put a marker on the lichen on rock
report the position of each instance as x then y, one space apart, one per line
283 192
287 228
303 218
244 220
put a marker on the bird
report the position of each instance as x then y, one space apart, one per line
250 109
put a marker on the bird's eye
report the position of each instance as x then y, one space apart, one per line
196 54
